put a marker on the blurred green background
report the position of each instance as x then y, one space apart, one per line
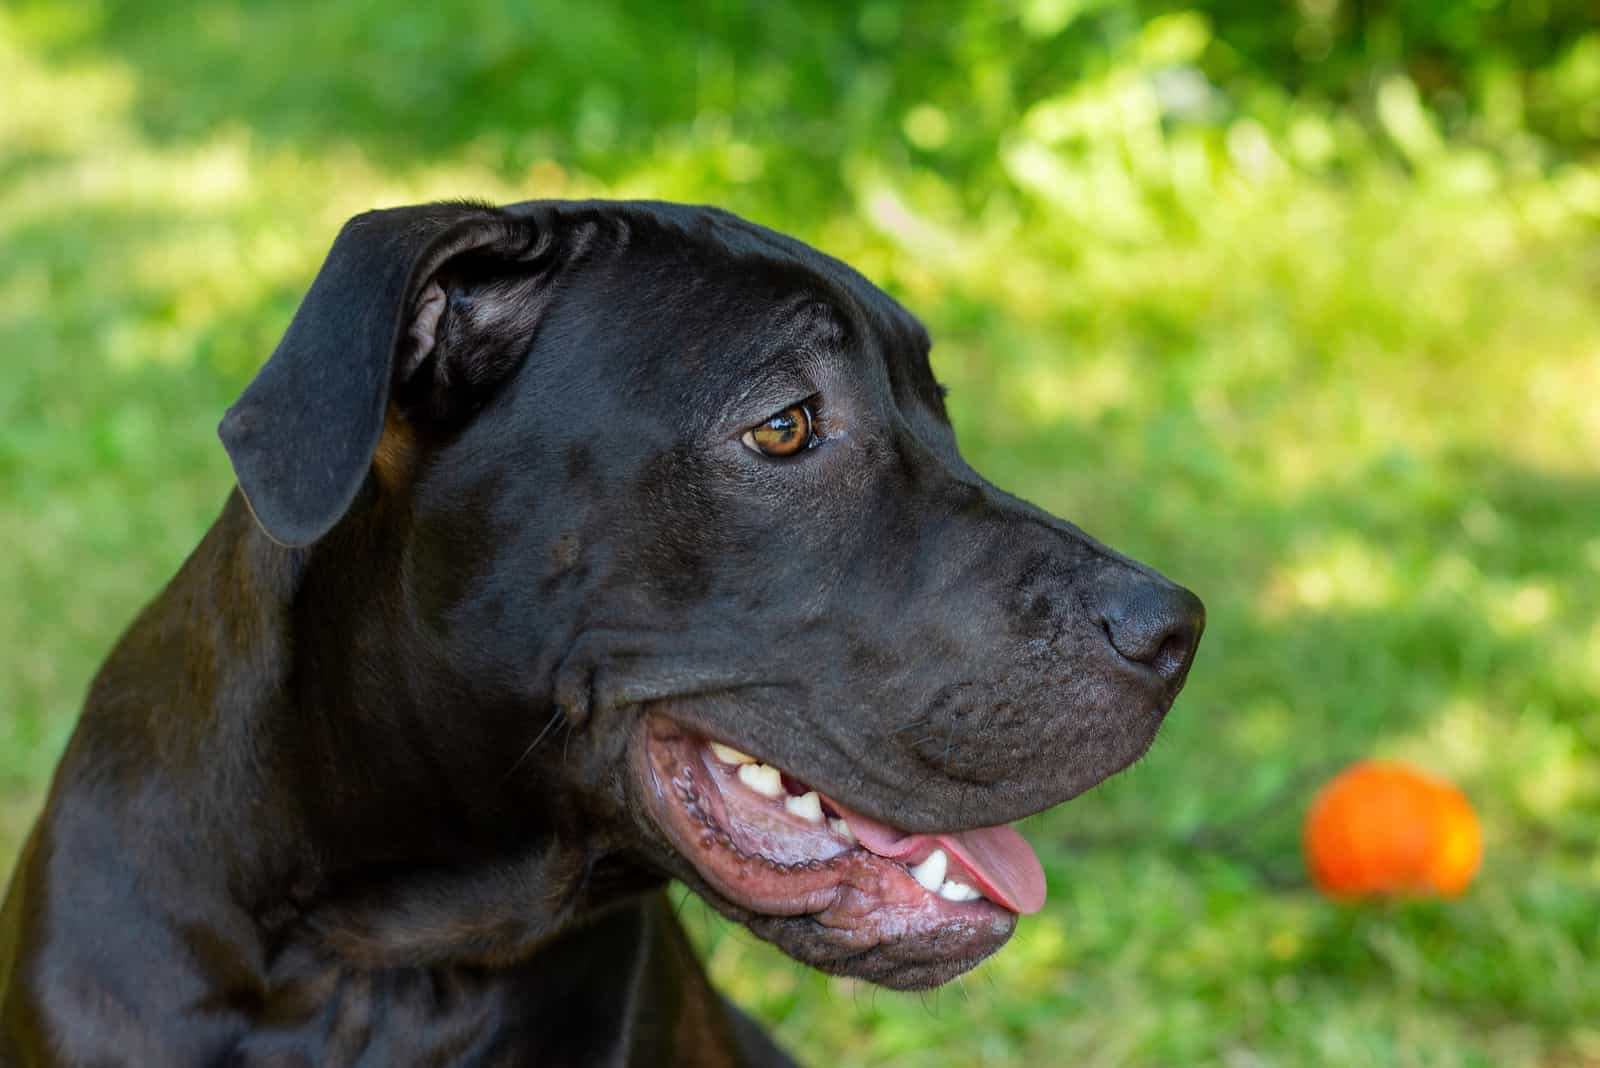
1299 302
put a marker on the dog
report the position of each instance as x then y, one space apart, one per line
576 547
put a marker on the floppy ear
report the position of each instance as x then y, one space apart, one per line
432 304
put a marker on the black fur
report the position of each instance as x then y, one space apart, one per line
357 788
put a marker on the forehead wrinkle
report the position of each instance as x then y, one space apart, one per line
879 345
819 310
878 308
811 333
898 342
755 249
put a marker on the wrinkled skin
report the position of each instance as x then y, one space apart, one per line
370 780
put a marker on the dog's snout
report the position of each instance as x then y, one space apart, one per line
1155 623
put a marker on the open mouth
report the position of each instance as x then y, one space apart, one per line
771 845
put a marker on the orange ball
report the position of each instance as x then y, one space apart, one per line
1380 827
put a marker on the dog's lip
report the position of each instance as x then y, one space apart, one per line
865 788
994 860
865 898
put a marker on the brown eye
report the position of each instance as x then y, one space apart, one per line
783 435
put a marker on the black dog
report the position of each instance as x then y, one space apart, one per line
547 516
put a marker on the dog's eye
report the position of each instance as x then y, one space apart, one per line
784 434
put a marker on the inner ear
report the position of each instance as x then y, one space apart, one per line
471 325
423 334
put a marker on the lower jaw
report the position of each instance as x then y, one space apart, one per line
928 960
853 913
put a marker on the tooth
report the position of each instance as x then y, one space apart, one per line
842 829
930 873
766 780
807 806
951 890
729 755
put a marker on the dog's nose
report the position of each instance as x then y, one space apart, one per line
1155 623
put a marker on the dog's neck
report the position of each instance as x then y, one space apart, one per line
411 841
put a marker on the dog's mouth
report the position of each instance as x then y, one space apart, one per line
832 886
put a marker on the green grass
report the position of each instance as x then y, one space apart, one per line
1338 372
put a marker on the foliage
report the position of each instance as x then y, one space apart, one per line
1298 304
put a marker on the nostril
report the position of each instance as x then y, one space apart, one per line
1154 623
1172 656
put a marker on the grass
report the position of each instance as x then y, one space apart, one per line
1341 378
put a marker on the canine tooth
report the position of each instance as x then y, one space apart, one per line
930 873
951 890
729 755
807 806
764 779
842 829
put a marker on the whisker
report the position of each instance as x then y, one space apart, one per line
555 717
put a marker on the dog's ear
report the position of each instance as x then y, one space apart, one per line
428 307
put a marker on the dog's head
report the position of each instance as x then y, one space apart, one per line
686 532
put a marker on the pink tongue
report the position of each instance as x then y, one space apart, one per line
999 858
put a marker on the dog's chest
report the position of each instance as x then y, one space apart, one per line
619 992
